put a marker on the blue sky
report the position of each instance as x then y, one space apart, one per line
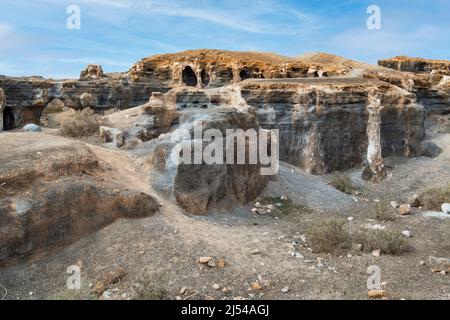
34 39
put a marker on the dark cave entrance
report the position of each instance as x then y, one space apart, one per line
189 77
8 119
244 74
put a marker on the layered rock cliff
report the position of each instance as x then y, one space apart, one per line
416 65
323 122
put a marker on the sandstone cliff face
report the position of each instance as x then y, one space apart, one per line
214 68
323 123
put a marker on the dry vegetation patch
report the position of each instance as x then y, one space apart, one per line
432 199
82 123
332 235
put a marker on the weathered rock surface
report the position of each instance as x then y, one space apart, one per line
55 191
31 128
197 188
429 149
417 65
92 72
323 122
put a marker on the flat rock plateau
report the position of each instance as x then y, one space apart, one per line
87 179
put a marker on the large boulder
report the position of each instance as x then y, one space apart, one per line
428 149
31 127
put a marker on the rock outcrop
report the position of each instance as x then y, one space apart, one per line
92 72
215 68
416 65
53 191
323 122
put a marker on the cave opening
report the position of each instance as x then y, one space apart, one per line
205 78
8 119
244 74
189 77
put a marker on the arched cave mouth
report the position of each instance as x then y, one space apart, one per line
189 77
8 119
244 74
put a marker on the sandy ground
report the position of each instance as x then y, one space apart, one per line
266 248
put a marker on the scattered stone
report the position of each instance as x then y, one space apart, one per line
204 260
112 135
394 204
350 219
376 294
106 295
429 149
422 263
446 208
255 252
357 247
31 128
376 253
183 290
256 286
375 226
221 263
404 209
443 272
284 198
285 290
211 264
226 290
439 264
216 286
406 233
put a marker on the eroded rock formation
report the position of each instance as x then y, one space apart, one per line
92 72
374 170
323 122
53 191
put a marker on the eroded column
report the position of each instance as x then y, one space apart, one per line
374 170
